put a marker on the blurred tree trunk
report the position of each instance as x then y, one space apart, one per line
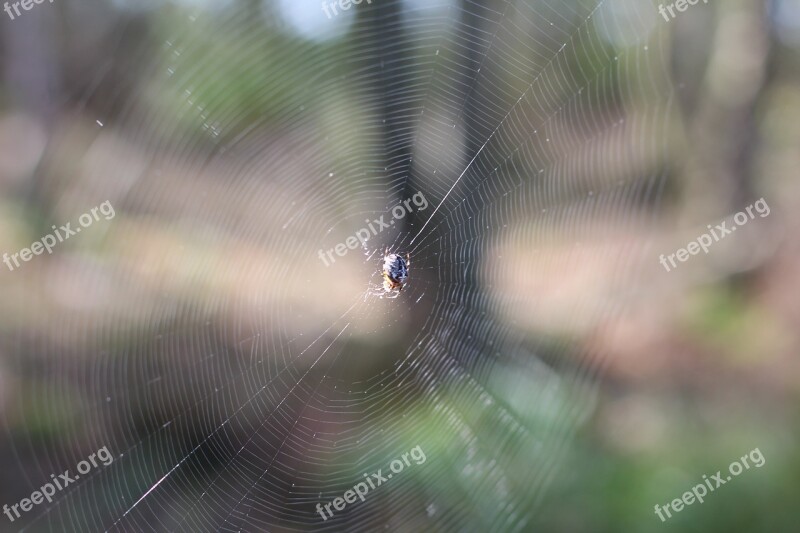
722 108
32 76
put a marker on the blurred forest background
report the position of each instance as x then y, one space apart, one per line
205 123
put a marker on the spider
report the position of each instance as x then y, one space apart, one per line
395 271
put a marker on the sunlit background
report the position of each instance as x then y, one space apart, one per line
556 375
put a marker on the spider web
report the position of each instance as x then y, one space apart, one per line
247 381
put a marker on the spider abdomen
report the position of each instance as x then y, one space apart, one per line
396 268
395 271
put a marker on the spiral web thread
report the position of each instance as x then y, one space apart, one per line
515 121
